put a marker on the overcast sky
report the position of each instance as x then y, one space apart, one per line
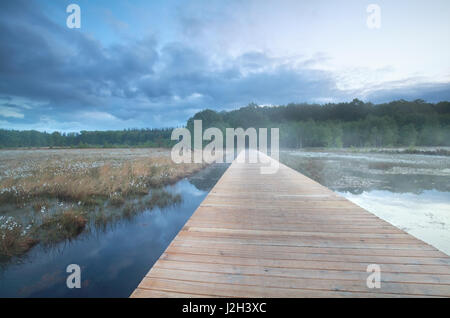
136 64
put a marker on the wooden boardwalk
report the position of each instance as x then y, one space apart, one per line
285 235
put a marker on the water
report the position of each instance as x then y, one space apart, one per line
411 192
112 261
425 215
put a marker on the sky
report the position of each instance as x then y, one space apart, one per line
152 64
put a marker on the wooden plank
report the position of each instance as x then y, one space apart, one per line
311 243
296 227
234 290
300 283
303 273
305 264
314 250
282 233
330 257
398 237
285 235
151 293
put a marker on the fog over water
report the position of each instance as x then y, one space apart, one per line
411 192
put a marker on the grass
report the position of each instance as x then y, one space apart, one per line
14 239
93 185
68 193
158 198
61 226
40 205
162 199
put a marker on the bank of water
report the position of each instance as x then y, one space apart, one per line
113 260
410 191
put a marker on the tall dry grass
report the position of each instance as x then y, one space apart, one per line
89 185
14 239
83 184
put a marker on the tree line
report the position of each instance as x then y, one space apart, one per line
353 124
84 139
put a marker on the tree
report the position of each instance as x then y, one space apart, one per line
408 135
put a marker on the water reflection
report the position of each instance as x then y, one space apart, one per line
359 172
113 260
411 192
425 215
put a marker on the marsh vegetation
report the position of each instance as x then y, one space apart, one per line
48 196
110 248
408 188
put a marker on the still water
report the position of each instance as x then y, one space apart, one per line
409 191
113 260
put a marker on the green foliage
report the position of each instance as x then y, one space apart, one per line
86 139
354 124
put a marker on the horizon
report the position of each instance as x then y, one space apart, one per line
258 149
156 64
161 128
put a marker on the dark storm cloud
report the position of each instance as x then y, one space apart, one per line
40 59
431 92
51 74
253 76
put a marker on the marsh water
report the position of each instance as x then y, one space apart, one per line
410 191
113 260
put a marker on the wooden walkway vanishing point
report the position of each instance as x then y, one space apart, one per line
285 235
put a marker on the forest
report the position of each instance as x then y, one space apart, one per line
353 124
108 139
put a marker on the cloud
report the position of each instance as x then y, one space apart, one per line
6 111
410 90
52 77
98 116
